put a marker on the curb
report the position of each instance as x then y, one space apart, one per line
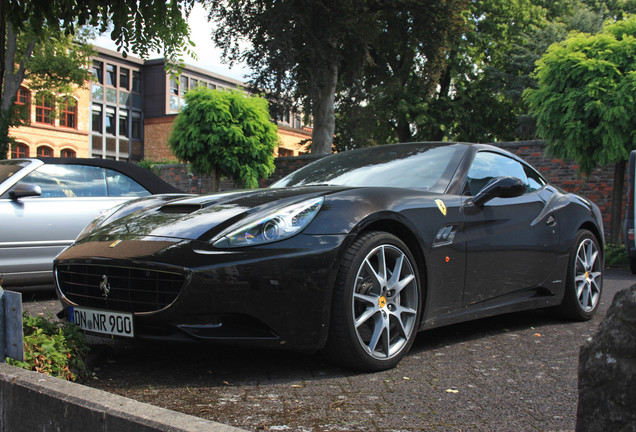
31 401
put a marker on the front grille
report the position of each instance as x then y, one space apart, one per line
124 289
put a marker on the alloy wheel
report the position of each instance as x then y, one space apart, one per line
385 302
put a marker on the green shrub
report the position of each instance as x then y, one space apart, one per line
53 348
615 255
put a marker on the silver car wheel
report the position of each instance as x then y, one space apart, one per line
587 275
385 302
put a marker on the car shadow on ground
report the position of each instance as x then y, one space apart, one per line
161 364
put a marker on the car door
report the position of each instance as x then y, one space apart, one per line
36 229
510 242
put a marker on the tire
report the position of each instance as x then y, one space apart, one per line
385 307
584 283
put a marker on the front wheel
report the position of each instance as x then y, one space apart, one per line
584 282
376 304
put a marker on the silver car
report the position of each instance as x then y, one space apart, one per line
45 203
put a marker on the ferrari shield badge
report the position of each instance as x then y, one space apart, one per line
441 206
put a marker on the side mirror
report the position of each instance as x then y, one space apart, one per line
499 187
25 190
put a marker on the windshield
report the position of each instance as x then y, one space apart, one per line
421 166
10 167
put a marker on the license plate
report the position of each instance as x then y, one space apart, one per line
100 321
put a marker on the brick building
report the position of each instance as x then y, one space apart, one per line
52 129
125 113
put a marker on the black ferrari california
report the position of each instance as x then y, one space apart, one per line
352 254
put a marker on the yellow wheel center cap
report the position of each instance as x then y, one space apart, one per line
382 301
587 275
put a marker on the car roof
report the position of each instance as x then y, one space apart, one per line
143 176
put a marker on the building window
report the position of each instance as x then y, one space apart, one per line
44 108
111 77
174 86
68 113
110 120
136 81
111 95
96 118
194 83
68 153
23 105
124 77
183 85
211 86
19 150
97 92
123 122
135 132
98 71
44 151
282 152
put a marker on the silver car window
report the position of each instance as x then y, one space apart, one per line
121 185
8 168
68 181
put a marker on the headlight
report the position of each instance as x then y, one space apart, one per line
277 225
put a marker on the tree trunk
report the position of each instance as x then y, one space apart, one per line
3 30
403 131
617 202
324 115
11 80
216 179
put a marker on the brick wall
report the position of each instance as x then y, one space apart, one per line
565 174
598 187
156 133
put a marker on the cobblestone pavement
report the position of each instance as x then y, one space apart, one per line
516 372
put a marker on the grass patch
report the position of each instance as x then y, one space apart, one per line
616 255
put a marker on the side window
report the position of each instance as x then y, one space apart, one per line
488 165
123 186
535 181
68 181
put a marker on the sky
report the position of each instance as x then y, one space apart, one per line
209 56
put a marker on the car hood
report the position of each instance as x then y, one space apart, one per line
204 217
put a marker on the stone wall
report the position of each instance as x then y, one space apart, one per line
598 187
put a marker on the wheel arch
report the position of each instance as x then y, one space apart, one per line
594 230
406 234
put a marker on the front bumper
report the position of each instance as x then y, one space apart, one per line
271 295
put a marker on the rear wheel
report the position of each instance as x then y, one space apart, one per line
584 282
376 304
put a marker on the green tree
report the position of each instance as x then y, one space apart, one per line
35 41
225 133
56 64
584 102
473 92
298 48
405 59
441 71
